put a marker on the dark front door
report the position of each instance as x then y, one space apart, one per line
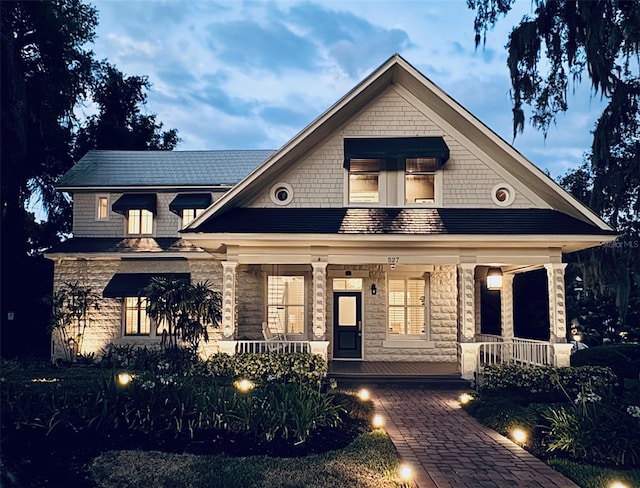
347 324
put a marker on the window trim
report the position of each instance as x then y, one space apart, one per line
140 233
98 207
393 340
305 308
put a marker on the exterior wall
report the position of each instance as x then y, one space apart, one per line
318 180
166 223
105 324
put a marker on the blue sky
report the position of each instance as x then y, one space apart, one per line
250 75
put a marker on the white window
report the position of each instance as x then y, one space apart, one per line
102 207
407 310
136 320
419 180
139 222
190 214
285 304
364 180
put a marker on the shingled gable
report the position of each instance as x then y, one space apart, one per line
436 104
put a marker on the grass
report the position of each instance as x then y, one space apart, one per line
587 476
369 461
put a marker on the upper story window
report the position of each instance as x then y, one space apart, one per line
139 222
394 171
102 207
189 206
364 180
139 209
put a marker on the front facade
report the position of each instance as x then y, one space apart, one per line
369 236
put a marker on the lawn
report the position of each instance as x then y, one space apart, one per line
180 423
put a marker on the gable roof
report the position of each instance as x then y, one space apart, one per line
160 169
396 71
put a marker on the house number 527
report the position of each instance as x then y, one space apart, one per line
393 259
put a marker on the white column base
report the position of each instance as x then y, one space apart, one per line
321 348
468 359
227 347
561 354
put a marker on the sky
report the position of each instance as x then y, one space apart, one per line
252 74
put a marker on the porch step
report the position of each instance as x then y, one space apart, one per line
359 380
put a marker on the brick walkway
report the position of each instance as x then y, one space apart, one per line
447 448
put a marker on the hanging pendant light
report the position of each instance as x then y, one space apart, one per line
494 279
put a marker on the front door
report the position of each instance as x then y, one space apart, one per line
347 324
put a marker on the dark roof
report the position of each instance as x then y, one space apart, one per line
410 221
119 245
133 284
115 169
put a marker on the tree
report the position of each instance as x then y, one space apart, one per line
558 45
120 123
185 309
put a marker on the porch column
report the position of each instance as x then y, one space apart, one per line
478 305
466 300
319 300
557 309
506 307
228 300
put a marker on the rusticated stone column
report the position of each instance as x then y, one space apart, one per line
506 307
557 306
228 299
466 300
319 300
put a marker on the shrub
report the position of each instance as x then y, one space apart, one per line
623 359
545 383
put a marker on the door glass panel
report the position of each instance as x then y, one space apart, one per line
347 311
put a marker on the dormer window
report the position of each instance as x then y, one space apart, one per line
364 181
139 209
189 206
396 171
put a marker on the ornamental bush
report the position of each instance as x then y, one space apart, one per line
623 359
546 383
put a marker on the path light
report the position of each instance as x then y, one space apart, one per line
364 395
377 421
519 435
124 379
465 398
617 484
243 386
405 472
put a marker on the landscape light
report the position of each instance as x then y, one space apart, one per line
618 484
519 435
465 398
405 471
364 394
243 386
124 379
377 421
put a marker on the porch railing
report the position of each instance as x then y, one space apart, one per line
272 346
512 350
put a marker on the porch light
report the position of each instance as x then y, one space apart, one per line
364 395
405 471
124 379
243 386
519 435
494 279
377 421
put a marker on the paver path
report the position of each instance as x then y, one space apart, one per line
447 448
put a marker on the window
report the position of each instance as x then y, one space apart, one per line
364 180
407 307
281 193
136 320
190 214
419 180
102 207
139 222
285 304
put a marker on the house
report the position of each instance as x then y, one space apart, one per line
368 236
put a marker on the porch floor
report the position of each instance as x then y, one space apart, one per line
354 373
